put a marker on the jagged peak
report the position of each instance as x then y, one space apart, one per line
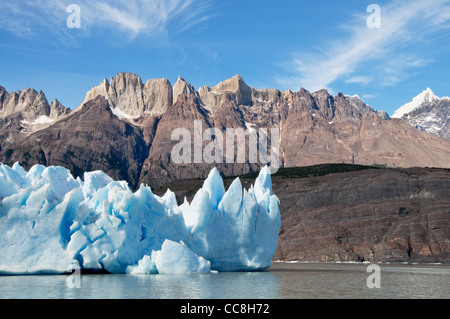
322 91
25 91
232 84
125 78
56 102
105 83
303 91
127 75
33 94
182 81
182 87
426 97
238 77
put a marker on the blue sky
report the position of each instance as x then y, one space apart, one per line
272 44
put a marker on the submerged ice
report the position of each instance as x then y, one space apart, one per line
49 220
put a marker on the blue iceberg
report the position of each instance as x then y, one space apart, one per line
49 221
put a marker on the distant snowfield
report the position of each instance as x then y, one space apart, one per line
50 222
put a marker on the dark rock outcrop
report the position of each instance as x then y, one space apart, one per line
395 215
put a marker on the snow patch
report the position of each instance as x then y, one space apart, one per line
43 119
121 114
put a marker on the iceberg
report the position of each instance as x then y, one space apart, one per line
177 258
49 220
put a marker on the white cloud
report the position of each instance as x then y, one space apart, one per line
420 62
360 79
406 26
130 18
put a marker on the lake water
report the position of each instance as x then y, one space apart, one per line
281 281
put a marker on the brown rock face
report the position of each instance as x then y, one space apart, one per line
372 215
159 168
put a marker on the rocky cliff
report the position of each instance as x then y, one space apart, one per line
397 215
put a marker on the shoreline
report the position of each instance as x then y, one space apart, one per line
358 263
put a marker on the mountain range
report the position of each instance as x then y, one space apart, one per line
124 127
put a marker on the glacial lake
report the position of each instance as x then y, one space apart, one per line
281 281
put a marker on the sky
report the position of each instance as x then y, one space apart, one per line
386 52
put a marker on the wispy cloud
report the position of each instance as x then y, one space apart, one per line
360 79
130 18
367 55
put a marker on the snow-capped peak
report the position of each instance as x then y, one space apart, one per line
425 97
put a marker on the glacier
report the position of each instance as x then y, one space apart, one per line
49 220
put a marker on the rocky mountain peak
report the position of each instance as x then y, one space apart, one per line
428 113
28 103
131 98
182 87
123 83
233 89
325 103
426 97
104 85
57 110
233 84
101 89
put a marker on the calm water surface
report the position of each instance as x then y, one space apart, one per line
281 281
